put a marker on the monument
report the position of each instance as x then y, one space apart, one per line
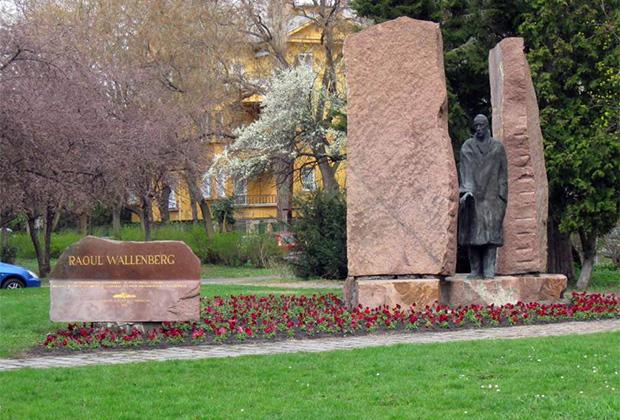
402 192
100 280
400 238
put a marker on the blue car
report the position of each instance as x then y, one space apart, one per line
15 277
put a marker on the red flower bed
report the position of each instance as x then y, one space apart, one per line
239 318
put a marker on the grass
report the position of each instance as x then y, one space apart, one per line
24 314
212 271
605 279
560 377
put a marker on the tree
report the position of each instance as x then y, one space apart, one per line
266 24
54 121
573 53
288 128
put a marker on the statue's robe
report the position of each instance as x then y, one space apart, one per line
483 171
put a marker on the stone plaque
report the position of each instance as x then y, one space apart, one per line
402 187
516 123
101 280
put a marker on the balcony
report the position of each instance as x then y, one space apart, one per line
259 200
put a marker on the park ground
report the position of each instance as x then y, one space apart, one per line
556 377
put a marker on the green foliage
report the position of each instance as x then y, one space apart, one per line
235 249
231 248
261 250
574 50
60 241
223 211
226 249
321 232
8 254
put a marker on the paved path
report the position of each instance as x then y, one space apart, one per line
309 345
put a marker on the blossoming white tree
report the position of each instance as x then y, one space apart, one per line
298 120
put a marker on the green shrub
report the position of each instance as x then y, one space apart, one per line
60 241
8 254
231 248
225 248
261 250
321 232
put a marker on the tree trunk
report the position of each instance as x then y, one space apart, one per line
588 245
328 176
194 210
116 221
205 209
36 244
47 237
283 172
559 252
147 209
83 223
164 211
196 196
56 220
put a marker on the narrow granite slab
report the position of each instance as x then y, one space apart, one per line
516 123
402 187
100 280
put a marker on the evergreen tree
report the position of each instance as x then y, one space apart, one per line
574 53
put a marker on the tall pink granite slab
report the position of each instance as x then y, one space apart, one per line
516 123
402 187
100 280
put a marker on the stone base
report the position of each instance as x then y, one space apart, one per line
459 290
404 292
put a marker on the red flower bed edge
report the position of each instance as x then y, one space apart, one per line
248 317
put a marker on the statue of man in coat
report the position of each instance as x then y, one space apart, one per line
483 197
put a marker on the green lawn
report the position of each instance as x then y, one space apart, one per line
211 271
24 314
561 377
605 279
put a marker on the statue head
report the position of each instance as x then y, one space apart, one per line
481 126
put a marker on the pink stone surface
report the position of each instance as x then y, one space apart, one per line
516 123
100 280
402 187
459 290
403 292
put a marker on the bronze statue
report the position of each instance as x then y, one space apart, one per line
483 198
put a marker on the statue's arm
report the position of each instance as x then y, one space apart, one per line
466 172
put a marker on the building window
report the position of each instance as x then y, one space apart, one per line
308 180
241 191
205 188
220 185
172 200
305 59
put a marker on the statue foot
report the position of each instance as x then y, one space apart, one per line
474 276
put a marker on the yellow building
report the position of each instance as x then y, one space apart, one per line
255 199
